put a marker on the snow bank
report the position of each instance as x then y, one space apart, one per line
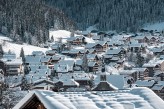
16 48
156 26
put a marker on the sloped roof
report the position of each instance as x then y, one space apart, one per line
45 58
145 83
91 64
136 97
90 45
37 53
104 86
113 51
32 59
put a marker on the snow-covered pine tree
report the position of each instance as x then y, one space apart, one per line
85 63
1 51
139 60
22 55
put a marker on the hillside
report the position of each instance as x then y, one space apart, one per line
127 15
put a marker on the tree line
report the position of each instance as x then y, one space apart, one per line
120 15
30 20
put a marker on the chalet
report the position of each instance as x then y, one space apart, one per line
45 99
76 53
11 66
117 80
107 58
130 74
103 84
92 57
43 84
114 59
158 51
136 47
142 39
64 66
143 73
159 76
153 39
115 52
78 40
101 46
154 66
38 74
56 59
93 66
51 52
82 78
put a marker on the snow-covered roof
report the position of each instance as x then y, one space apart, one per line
153 63
17 61
90 45
141 98
113 51
140 69
9 56
32 59
91 64
145 83
38 53
64 66
91 56
116 80
159 86
45 58
127 72
135 45
50 52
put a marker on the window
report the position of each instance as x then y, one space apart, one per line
103 78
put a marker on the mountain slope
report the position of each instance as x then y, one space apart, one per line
127 15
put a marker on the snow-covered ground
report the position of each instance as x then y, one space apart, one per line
28 49
156 26
137 98
16 48
59 34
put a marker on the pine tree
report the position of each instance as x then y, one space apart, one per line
24 85
85 63
22 55
52 39
140 60
1 51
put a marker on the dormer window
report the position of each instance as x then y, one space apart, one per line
102 77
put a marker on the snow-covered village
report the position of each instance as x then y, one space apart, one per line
85 69
81 54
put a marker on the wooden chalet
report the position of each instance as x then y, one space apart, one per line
143 73
93 66
101 46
